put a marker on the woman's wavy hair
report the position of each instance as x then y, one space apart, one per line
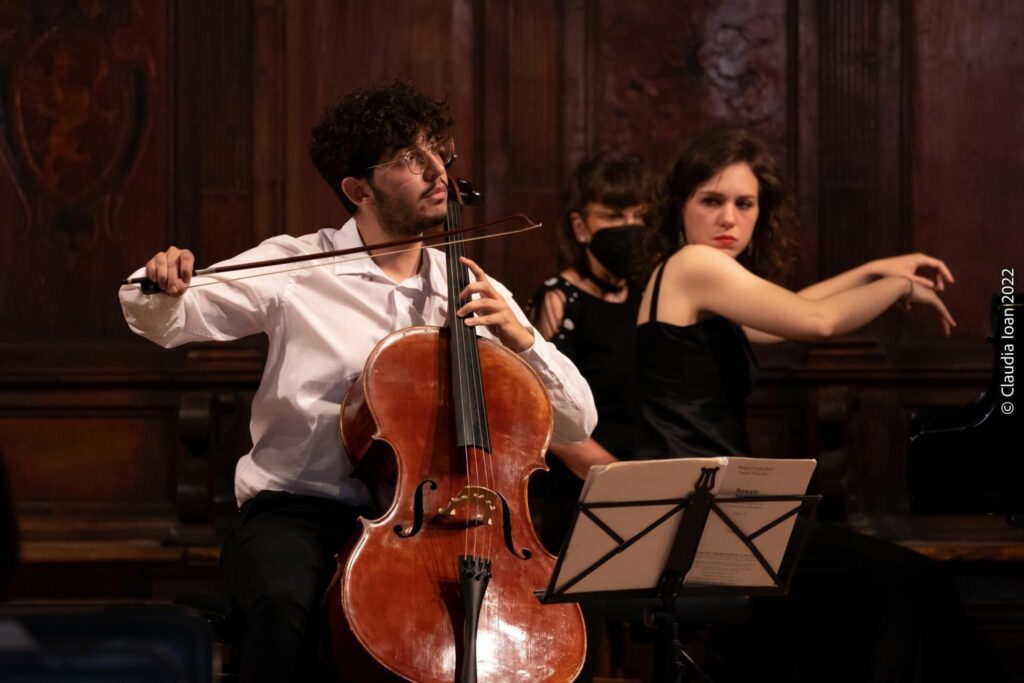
771 250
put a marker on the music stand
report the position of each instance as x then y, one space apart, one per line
657 558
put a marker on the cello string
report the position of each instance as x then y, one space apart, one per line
457 338
480 424
472 368
473 392
476 408
479 411
480 407
465 374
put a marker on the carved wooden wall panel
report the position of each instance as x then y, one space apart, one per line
128 126
661 70
84 139
85 194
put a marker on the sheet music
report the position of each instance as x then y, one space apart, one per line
629 481
722 559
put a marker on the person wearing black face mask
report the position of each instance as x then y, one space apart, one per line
589 312
613 246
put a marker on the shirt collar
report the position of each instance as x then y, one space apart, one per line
433 269
346 238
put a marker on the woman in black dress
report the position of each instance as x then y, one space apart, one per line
589 312
860 609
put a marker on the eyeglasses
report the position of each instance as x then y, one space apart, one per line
416 159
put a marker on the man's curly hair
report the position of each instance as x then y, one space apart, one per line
357 130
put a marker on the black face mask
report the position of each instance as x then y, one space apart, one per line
616 247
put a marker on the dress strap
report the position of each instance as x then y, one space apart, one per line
655 292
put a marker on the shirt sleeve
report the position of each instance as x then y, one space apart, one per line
214 307
571 398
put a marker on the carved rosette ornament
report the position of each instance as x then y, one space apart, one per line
741 68
697 61
78 81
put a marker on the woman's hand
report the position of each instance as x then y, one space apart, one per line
929 297
492 310
908 265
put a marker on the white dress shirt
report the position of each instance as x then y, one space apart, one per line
322 322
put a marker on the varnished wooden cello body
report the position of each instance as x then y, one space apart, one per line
440 589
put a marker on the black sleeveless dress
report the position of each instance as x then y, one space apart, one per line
692 383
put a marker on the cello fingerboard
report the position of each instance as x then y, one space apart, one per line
468 408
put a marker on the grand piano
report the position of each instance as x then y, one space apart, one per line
970 459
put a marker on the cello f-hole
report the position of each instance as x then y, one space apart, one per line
506 522
417 510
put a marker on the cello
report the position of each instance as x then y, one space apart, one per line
440 588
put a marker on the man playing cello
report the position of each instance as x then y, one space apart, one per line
384 152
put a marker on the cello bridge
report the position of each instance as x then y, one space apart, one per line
473 505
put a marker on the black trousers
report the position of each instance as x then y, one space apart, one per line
277 563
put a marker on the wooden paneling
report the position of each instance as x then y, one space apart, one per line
909 140
968 146
83 183
850 137
660 71
848 142
334 47
522 117
269 123
212 176
56 459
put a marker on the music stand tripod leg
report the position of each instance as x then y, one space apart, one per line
672 664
